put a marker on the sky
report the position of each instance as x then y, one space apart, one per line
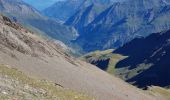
41 4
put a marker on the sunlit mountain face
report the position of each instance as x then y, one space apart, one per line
41 4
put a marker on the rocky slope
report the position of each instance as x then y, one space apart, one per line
124 21
44 59
15 85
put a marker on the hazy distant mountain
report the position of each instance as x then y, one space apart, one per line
19 8
39 4
86 15
62 10
124 21
30 17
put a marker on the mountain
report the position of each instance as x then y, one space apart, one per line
19 8
31 18
86 15
142 62
24 54
63 10
122 22
148 60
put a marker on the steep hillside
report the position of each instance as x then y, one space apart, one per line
16 85
142 62
124 21
44 59
163 93
148 61
31 18
105 60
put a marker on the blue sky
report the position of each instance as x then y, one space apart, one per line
41 4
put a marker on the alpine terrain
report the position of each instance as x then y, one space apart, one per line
85 50
44 59
62 10
31 18
120 23
142 62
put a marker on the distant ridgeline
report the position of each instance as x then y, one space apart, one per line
119 23
35 21
62 10
93 24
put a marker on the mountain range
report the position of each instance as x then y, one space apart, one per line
120 23
95 24
36 62
30 17
24 54
63 10
87 14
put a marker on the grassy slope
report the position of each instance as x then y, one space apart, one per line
161 93
158 92
124 73
103 55
52 91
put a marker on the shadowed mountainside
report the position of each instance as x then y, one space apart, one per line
149 57
142 62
